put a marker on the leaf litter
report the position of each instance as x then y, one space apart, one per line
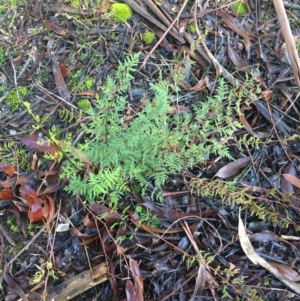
193 244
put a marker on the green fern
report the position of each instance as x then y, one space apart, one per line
230 194
154 143
15 156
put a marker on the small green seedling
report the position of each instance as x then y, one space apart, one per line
13 224
14 97
75 3
148 37
192 28
147 217
45 270
122 12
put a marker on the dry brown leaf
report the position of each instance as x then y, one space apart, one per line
6 194
288 272
292 179
232 168
35 212
60 31
200 86
239 62
8 169
13 284
257 259
37 143
203 275
120 250
247 126
130 291
138 279
104 6
62 88
285 184
267 94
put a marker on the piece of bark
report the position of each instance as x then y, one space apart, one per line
78 284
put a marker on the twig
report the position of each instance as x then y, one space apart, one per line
159 14
5 233
147 16
78 284
164 35
31 242
27 246
200 38
289 39
55 95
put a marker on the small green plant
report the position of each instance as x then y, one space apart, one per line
192 28
240 8
254 295
2 55
37 118
9 3
229 193
45 270
229 278
121 11
266 282
3 87
85 85
76 3
15 96
147 217
33 228
88 83
84 104
11 222
148 37
201 258
68 115
150 146
15 156
298 45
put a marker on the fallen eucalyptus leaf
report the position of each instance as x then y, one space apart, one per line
257 259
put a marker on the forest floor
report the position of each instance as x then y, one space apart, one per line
201 202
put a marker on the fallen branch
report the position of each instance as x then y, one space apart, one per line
78 284
289 39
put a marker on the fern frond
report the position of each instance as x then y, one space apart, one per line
155 142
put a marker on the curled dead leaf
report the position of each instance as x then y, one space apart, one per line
232 168
8 169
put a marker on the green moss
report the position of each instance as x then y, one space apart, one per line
84 104
192 27
86 85
11 222
75 3
89 82
148 37
121 11
240 8
14 97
